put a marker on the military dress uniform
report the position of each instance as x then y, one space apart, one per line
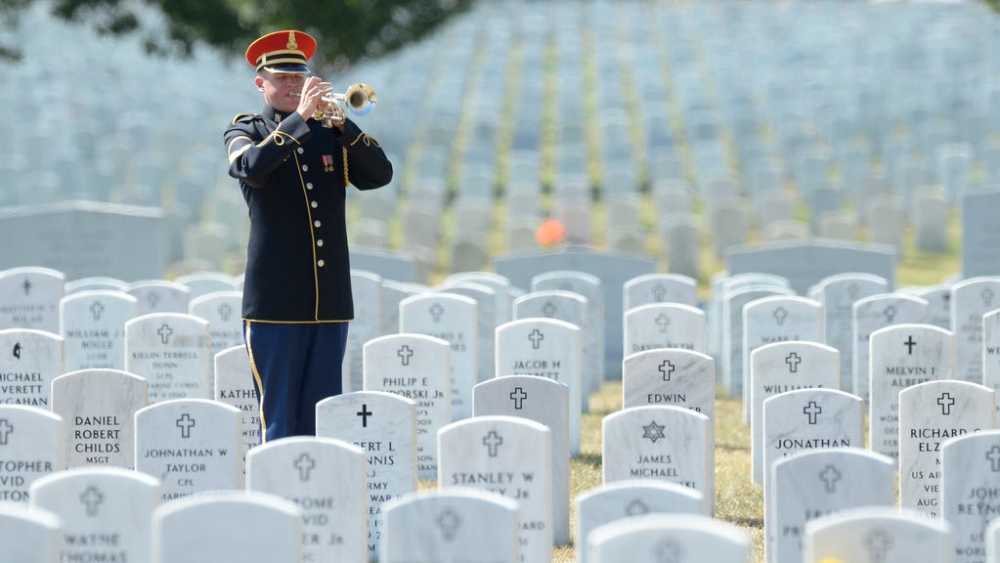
297 299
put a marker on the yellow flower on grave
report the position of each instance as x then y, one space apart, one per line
830 560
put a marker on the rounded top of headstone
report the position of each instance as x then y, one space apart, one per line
213 296
873 515
366 275
965 283
650 307
100 294
795 299
672 352
864 301
775 347
528 380
26 512
549 294
33 271
30 332
96 283
847 277
93 473
675 278
910 327
30 411
304 441
538 321
584 277
98 373
179 318
638 485
245 499
187 404
495 419
206 276
656 410
467 286
459 494
440 295
491 277
366 395
681 523
827 452
143 284
238 350
409 337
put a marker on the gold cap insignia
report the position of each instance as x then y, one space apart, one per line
292 44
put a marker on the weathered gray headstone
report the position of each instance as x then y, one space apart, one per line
454 319
192 445
980 235
93 329
970 300
106 512
29 298
882 535
448 526
658 538
32 445
902 356
222 311
930 413
415 366
546 402
626 499
545 348
874 313
98 407
326 479
367 325
173 353
383 425
510 456
672 444
812 484
228 526
29 360
670 376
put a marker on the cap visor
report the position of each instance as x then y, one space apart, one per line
287 69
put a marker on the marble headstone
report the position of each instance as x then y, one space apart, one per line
29 298
659 288
234 386
970 300
222 311
366 288
173 352
29 535
669 376
93 329
838 293
158 296
31 447
879 535
874 313
664 325
659 538
29 360
970 479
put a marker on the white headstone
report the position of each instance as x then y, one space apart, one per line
98 407
874 313
454 319
902 356
731 350
203 283
590 287
158 296
367 324
970 300
31 447
809 419
664 325
417 367
383 425
485 299
29 298
568 307
173 352
96 283
510 456
779 368
545 348
991 351
669 376
546 402
234 386
838 294
228 527
449 526
29 360
93 329
882 535
326 479
671 444
660 288
627 499
29 535
192 445
659 538
106 512
812 484
970 480
222 311
930 413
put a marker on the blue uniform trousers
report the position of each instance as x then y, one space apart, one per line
294 365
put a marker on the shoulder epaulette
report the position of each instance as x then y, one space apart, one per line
242 117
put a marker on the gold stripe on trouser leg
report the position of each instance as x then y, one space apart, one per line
260 384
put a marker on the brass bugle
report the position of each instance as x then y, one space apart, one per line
359 99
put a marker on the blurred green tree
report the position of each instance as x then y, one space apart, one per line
347 30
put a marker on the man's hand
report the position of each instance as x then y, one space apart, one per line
311 97
336 115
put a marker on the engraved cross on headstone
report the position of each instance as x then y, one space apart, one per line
910 343
993 455
667 369
436 310
536 338
186 423
165 331
6 429
812 410
946 401
636 507
780 314
92 499
549 309
659 293
492 441
96 310
305 464
404 353
890 314
667 551
793 360
27 286
225 311
662 321
830 476
518 396
878 543
449 523
364 413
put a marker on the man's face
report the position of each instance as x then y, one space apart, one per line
281 89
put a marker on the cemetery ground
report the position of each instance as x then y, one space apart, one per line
737 498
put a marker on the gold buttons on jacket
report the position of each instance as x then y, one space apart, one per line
320 263
317 224
301 150
305 168
319 242
309 185
314 205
